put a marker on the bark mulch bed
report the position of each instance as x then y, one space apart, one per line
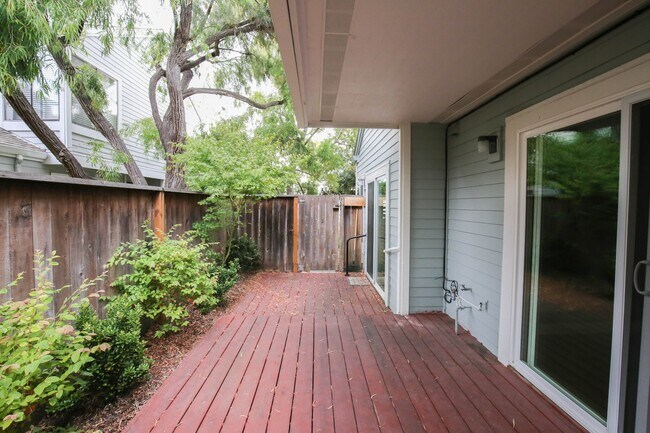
167 353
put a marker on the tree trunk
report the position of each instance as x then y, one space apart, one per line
99 120
175 176
174 127
26 112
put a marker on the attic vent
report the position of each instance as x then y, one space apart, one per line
338 18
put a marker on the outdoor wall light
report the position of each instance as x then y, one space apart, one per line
487 144
490 145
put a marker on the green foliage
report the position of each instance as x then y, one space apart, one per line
319 160
165 275
106 170
42 359
576 172
243 250
230 162
326 166
31 28
124 364
245 60
145 129
227 277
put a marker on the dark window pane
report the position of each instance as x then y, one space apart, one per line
571 224
110 110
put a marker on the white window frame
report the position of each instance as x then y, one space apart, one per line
599 96
85 131
381 172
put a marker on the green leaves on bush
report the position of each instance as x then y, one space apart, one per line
124 365
166 275
42 359
245 251
227 277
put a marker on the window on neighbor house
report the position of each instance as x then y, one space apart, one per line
45 104
110 111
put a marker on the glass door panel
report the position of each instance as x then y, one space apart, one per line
571 226
380 277
370 247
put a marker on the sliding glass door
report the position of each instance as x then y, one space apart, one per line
382 225
377 229
570 257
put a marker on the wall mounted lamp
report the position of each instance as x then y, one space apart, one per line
490 145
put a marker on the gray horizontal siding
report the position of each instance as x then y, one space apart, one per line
133 81
475 186
427 217
378 148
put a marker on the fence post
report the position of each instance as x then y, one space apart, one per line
296 233
159 215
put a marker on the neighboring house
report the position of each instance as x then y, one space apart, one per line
19 155
506 146
126 82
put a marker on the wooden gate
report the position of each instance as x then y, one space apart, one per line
324 224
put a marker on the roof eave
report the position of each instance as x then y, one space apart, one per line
287 36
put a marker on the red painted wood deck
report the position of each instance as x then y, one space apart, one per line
309 353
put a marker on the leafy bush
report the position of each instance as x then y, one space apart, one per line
244 250
227 277
124 365
165 276
41 358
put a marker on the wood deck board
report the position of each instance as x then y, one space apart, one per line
309 353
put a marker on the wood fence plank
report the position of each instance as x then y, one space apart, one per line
6 275
61 228
21 250
42 226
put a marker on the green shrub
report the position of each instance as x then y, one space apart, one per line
124 365
42 359
227 277
165 276
245 251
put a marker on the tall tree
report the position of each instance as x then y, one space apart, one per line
34 30
233 35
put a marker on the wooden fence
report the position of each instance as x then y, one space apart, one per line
85 221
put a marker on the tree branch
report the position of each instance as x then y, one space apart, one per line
153 101
310 136
186 78
95 116
196 62
21 105
229 94
247 26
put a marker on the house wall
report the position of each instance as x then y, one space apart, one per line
378 148
427 217
7 163
133 103
476 186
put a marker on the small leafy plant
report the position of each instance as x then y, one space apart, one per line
227 277
166 275
124 364
42 358
245 251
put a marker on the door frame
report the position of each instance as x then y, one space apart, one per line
608 93
382 172
629 242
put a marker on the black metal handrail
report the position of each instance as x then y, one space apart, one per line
347 247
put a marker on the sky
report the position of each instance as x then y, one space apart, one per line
199 108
